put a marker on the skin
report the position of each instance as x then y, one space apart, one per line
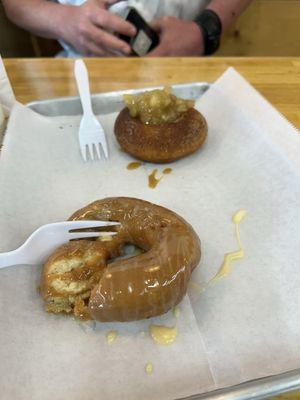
171 44
191 42
85 27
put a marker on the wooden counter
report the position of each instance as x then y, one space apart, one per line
278 79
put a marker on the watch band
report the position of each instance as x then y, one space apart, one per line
210 24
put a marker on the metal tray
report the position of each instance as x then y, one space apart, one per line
105 103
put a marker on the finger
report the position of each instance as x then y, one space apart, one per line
159 51
107 40
114 43
94 49
107 20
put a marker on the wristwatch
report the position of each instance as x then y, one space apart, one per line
210 24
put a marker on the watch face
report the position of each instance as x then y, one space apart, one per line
141 44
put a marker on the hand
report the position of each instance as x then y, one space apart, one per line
177 38
86 26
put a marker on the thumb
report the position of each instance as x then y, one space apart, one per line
158 51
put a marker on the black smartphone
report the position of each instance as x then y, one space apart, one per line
145 40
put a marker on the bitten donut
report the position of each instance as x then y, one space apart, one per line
81 277
159 127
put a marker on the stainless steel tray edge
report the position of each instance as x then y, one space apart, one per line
104 103
256 389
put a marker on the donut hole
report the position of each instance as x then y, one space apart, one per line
128 250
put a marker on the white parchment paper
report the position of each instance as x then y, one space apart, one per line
244 327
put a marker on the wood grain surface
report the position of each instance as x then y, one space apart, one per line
266 28
278 79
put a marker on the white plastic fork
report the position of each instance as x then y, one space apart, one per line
42 242
91 134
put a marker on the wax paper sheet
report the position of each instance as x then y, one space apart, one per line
245 326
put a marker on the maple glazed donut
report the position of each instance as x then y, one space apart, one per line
82 278
158 127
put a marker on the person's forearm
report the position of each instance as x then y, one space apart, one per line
42 17
228 10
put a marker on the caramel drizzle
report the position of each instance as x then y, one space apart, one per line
134 165
153 181
225 267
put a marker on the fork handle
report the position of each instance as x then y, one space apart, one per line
14 257
82 80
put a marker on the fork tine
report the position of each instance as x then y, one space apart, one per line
86 224
97 148
83 235
83 151
104 147
91 151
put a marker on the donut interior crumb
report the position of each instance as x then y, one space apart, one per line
70 280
